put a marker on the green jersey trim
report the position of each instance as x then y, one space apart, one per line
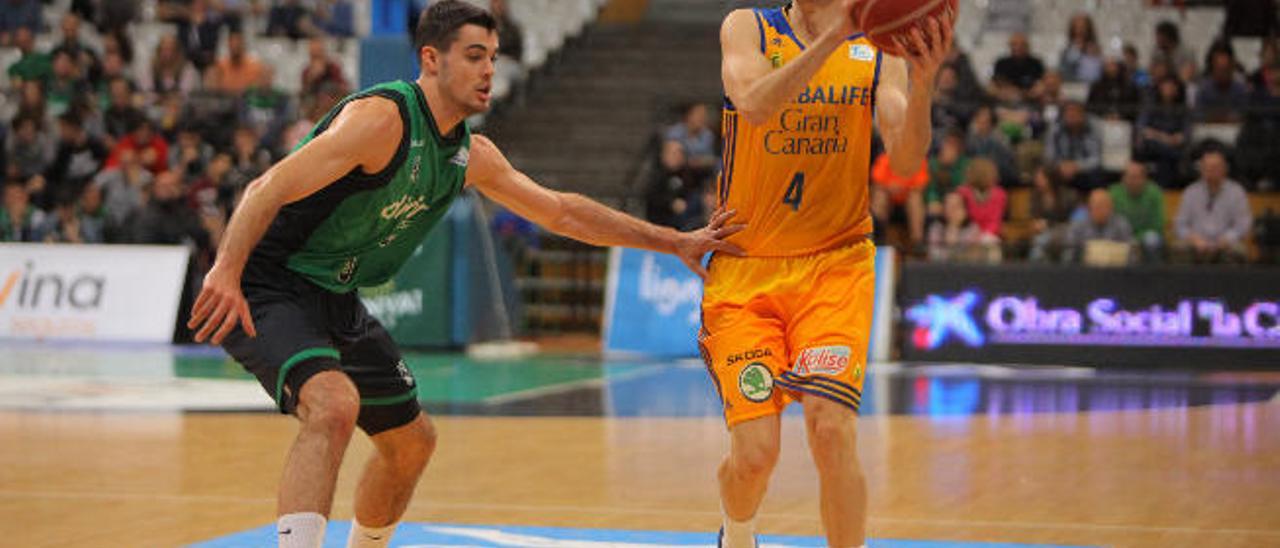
301 356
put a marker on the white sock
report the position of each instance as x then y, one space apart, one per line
739 534
369 537
300 530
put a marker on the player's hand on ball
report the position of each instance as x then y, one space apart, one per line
927 46
220 306
692 246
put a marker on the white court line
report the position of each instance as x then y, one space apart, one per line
562 509
597 382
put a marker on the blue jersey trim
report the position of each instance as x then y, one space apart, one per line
779 22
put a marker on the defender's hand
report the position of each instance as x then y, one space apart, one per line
220 306
692 246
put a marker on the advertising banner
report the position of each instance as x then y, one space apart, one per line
90 292
1217 317
653 305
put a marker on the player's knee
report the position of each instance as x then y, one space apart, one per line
756 460
411 454
331 405
832 435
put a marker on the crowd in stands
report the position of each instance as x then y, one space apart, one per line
1028 164
100 147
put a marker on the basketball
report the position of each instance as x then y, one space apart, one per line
886 20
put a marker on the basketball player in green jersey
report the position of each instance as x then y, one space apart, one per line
344 211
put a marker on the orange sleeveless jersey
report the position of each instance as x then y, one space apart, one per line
799 181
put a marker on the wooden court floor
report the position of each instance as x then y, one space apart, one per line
1200 476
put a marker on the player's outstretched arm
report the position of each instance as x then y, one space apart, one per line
583 219
904 102
757 90
364 136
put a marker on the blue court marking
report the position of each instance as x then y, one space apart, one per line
435 535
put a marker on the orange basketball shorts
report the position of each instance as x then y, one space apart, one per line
776 330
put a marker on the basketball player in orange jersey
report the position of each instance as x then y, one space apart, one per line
791 320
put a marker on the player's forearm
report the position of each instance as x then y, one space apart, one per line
591 222
249 222
769 94
917 132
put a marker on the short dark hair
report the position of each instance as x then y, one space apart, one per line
438 27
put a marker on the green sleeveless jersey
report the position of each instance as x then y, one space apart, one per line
359 231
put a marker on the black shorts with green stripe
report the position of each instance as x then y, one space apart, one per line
304 330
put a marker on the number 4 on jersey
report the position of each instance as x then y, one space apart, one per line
795 192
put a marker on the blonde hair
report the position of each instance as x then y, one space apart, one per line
982 169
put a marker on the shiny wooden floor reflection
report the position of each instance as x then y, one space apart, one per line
1201 476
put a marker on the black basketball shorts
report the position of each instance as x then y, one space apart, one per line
304 330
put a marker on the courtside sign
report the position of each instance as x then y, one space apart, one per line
90 292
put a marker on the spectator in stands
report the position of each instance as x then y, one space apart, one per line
674 196
166 219
1250 18
32 103
985 141
290 18
170 71
81 54
20 221
66 224
199 28
1081 59
321 69
338 17
150 146
78 158
984 200
1140 77
510 36
120 110
1214 216
1258 145
958 239
238 70
1221 92
947 171
93 213
967 86
124 187
112 16
510 69
28 150
1114 96
693 134
1100 224
1163 131
18 14
892 193
1169 48
267 108
951 110
205 194
248 159
1019 69
33 66
1053 204
68 88
1157 73
190 154
1268 63
1074 148
1140 201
